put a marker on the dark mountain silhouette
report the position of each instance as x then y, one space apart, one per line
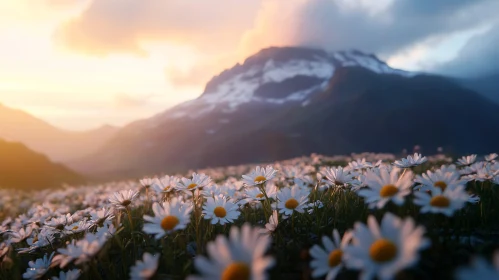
287 102
21 168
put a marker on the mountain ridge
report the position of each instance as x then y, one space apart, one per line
58 144
348 100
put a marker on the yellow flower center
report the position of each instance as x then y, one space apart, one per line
260 179
236 271
440 201
440 184
388 191
291 203
220 212
335 258
126 202
192 186
166 188
75 227
169 222
35 239
383 250
260 195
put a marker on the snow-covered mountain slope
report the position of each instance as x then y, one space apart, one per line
276 76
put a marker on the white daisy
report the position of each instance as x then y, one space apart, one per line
386 186
292 199
38 268
383 251
98 217
446 202
466 160
359 164
171 216
241 257
259 176
166 184
439 179
491 157
148 182
337 176
197 181
271 226
479 269
410 161
330 260
20 235
144 269
122 199
255 194
219 210
69 275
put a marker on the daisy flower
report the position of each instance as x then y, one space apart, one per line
98 217
359 164
166 184
79 251
241 256
410 161
38 268
148 182
384 250
20 235
69 275
386 186
337 176
144 269
219 210
122 199
466 160
271 226
259 176
446 202
171 216
439 179
330 260
292 199
255 194
491 157
479 269
197 181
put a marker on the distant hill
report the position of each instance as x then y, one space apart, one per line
22 168
287 102
487 85
59 145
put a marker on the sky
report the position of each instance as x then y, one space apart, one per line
79 64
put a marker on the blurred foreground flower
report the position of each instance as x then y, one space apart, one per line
241 257
144 269
384 251
480 269
330 260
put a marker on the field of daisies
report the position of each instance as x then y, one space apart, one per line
365 216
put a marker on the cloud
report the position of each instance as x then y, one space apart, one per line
230 31
337 25
479 57
111 26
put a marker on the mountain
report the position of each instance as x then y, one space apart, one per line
59 145
487 85
22 168
287 102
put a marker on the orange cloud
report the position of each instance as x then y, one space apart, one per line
123 25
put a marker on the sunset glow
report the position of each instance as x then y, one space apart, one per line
81 64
